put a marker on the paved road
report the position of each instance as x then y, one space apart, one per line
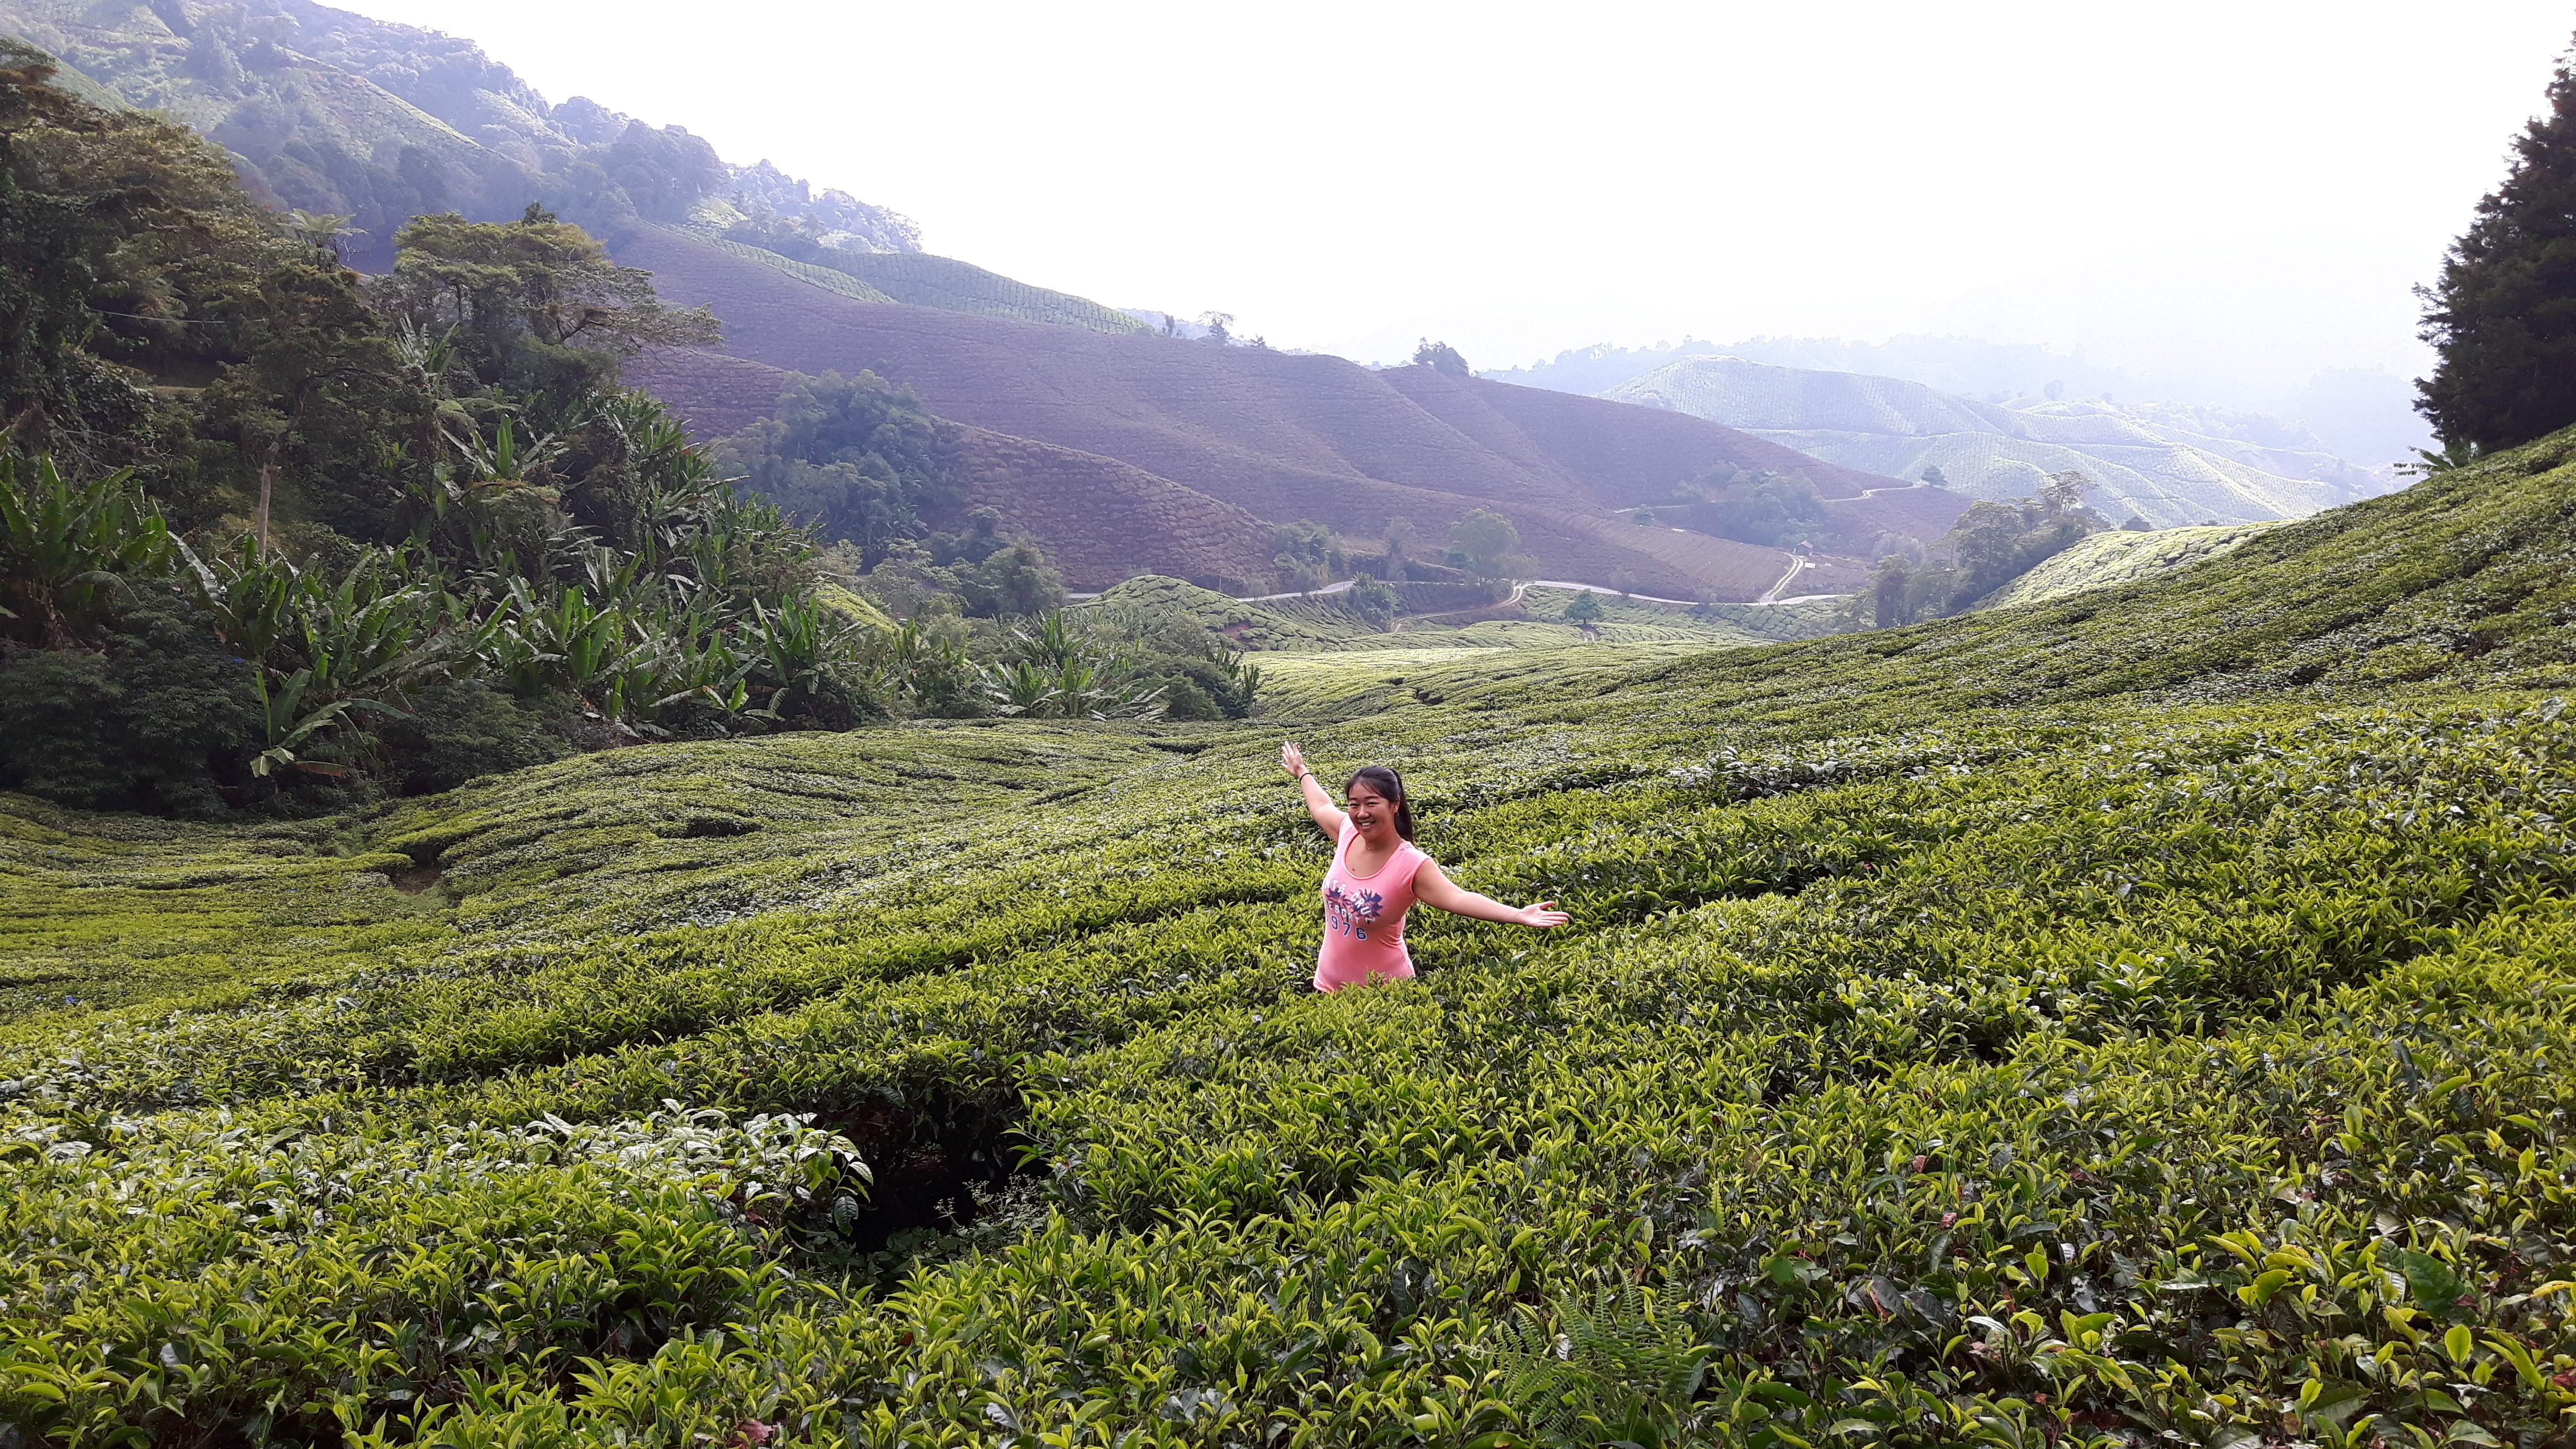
1768 600
1326 589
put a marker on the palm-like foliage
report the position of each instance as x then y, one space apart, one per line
66 548
1057 669
324 650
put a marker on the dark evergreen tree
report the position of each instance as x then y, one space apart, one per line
2503 317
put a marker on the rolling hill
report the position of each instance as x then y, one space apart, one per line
2116 557
919 279
1101 520
1279 435
2169 467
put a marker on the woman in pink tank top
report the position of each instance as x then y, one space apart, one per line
1377 875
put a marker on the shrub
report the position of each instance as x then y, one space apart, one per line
158 718
459 730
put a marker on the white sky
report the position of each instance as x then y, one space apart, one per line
2250 181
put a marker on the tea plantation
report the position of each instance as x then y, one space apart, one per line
2144 1017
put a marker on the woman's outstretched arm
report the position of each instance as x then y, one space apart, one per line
1436 889
1328 817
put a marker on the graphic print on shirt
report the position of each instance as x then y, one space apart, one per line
1351 912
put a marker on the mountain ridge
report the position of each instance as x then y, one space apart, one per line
339 113
2161 471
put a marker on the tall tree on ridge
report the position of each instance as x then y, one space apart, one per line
2503 316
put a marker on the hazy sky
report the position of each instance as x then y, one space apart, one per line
2247 181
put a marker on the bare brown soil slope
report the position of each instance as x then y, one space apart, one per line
1101 520
1619 453
1617 449
1276 435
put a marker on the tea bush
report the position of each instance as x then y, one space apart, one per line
2141 1017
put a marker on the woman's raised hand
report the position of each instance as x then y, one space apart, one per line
1292 760
1542 915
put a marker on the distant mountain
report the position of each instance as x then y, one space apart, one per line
2360 414
1273 435
2167 464
334 112
1969 366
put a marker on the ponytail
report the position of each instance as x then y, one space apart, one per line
1386 784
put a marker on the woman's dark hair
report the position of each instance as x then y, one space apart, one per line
1386 784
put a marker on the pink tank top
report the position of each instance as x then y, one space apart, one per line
1364 917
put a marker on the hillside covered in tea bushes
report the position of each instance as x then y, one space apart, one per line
2140 1017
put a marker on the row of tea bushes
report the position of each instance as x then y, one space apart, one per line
2006 965
2086 1070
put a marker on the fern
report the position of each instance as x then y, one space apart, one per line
1608 1371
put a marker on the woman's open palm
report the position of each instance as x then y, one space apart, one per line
1542 914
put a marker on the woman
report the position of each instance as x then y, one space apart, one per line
1377 875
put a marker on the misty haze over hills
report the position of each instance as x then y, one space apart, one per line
2361 415
2168 464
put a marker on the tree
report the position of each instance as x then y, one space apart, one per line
2502 319
533 300
851 456
1643 518
1775 510
1586 609
1887 592
1490 542
1014 580
1401 538
1933 477
1217 324
1441 357
1373 601
1304 540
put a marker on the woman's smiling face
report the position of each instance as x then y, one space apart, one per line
1372 813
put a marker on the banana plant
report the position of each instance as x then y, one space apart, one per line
1060 670
293 715
321 650
1019 687
1242 676
67 548
504 461
799 644
692 661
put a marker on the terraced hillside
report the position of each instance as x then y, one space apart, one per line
2102 559
1278 435
921 280
2140 1017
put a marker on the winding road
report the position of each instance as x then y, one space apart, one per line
1770 599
